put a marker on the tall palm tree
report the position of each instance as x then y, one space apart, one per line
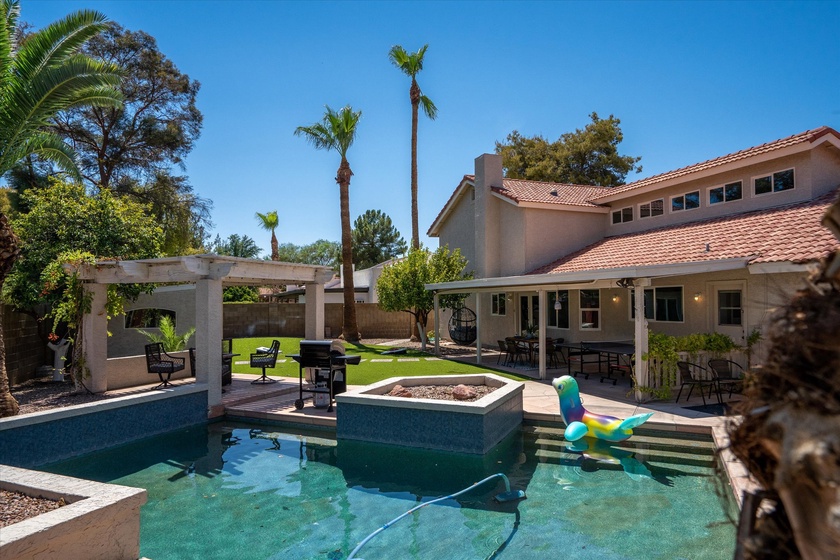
269 222
411 64
40 77
336 131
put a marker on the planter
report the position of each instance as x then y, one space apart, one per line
100 520
369 414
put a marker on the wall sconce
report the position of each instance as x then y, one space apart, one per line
615 299
698 296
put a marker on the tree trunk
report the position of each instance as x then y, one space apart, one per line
414 93
275 248
350 330
9 251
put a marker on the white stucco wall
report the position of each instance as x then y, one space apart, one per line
130 342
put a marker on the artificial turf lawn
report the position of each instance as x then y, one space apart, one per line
366 372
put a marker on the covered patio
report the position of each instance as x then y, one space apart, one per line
210 274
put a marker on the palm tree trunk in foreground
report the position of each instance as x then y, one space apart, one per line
350 330
9 251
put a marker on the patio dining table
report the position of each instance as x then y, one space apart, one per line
607 351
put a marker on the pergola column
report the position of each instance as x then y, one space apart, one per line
641 336
94 325
208 341
314 311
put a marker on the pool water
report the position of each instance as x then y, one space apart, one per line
229 490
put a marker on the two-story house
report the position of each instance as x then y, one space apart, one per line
713 246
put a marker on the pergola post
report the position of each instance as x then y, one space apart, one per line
543 323
94 326
208 340
478 328
640 336
437 323
314 311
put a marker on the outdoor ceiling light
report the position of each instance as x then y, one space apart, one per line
558 305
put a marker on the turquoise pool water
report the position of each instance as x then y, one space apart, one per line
239 491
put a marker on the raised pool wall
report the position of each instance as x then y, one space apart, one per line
31 440
369 414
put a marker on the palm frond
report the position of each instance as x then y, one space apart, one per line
268 221
11 12
428 107
49 147
336 131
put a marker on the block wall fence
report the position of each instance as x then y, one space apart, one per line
25 350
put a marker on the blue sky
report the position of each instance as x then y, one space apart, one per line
689 80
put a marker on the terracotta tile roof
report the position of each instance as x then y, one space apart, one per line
791 233
520 190
807 136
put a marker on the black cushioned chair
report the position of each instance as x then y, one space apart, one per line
265 360
159 362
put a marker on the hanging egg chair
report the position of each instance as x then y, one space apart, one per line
462 326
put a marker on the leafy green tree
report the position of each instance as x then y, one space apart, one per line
39 77
321 252
375 239
269 222
401 287
236 246
240 294
133 149
411 64
584 157
337 131
64 219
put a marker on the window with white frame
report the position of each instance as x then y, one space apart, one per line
497 306
558 318
777 182
623 215
661 304
726 193
590 309
729 307
687 201
652 208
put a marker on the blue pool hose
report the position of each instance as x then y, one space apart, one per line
506 496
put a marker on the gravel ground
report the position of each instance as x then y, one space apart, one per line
444 392
37 395
17 507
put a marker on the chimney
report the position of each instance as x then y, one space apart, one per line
488 173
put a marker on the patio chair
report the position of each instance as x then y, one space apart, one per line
515 352
502 352
554 353
227 361
726 373
265 360
160 363
688 377
624 368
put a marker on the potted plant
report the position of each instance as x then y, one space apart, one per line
171 340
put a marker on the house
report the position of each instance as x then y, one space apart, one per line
364 285
711 247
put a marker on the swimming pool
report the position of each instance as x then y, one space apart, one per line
231 490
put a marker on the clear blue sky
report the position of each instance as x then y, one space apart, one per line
689 81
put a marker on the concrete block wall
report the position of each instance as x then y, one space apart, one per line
25 350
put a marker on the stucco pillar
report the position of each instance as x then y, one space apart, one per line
314 312
488 173
95 338
640 336
208 341
541 301
478 328
436 299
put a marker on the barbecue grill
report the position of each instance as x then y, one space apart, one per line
329 365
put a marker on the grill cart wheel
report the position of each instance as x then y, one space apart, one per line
462 326
299 404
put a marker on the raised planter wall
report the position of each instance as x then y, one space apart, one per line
101 521
30 440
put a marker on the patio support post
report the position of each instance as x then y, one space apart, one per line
314 311
641 336
437 323
95 339
541 301
478 328
208 341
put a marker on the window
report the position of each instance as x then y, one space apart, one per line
653 208
729 307
590 303
777 182
497 306
623 215
558 318
661 304
147 318
687 201
726 193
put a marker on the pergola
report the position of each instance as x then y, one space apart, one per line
209 273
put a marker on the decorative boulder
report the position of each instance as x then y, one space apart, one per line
464 393
400 391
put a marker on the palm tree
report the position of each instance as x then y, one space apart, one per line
336 131
269 222
411 64
39 77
